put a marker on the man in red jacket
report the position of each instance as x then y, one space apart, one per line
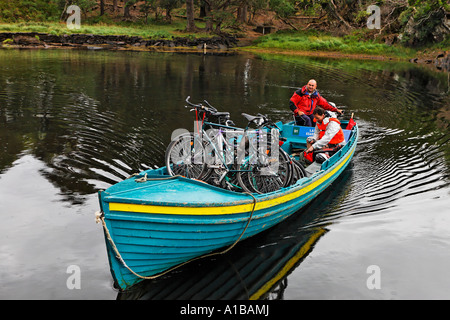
304 101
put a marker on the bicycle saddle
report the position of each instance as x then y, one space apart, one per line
251 118
221 114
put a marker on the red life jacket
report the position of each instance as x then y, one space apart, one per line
338 137
309 157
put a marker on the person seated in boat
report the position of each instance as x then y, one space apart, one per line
327 139
304 101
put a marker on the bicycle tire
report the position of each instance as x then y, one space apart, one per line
260 183
299 171
180 158
242 178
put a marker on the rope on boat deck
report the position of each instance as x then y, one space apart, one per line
145 178
101 217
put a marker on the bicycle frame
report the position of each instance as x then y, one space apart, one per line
225 152
221 153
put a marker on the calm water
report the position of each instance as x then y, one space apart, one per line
74 122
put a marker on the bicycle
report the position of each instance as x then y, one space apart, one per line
263 176
229 157
203 154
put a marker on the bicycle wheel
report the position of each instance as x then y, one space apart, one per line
261 180
229 179
242 179
184 156
298 171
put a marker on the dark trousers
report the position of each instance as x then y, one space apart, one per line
305 120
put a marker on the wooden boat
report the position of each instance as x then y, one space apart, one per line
154 222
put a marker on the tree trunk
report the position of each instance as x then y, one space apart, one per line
126 8
114 6
336 12
126 11
169 15
190 16
202 10
64 13
102 7
242 12
209 19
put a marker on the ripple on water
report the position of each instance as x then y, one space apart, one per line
390 165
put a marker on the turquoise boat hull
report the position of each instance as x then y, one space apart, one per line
162 222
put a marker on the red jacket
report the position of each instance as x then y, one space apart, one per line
306 103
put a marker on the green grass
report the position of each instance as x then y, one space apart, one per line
357 43
321 42
146 31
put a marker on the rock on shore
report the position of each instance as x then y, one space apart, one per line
37 39
441 61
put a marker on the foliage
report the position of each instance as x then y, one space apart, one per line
41 10
154 31
430 4
314 41
284 8
156 6
423 22
414 21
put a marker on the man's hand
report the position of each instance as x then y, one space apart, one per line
298 112
310 149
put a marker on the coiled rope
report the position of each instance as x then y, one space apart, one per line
100 217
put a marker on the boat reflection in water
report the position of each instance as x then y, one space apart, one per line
257 268
246 274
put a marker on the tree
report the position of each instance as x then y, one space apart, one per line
216 12
169 5
255 6
190 16
147 7
126 9
283 8
242 11
426 22
114 6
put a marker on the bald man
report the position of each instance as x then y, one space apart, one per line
304 101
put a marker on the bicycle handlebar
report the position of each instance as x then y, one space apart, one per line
192 104
208 108
264 121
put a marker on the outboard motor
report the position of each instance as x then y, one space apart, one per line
322 157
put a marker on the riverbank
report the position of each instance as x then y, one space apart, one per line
301 44
112 42
353 46
436 59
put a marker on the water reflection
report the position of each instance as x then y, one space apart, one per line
248 273
96 118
